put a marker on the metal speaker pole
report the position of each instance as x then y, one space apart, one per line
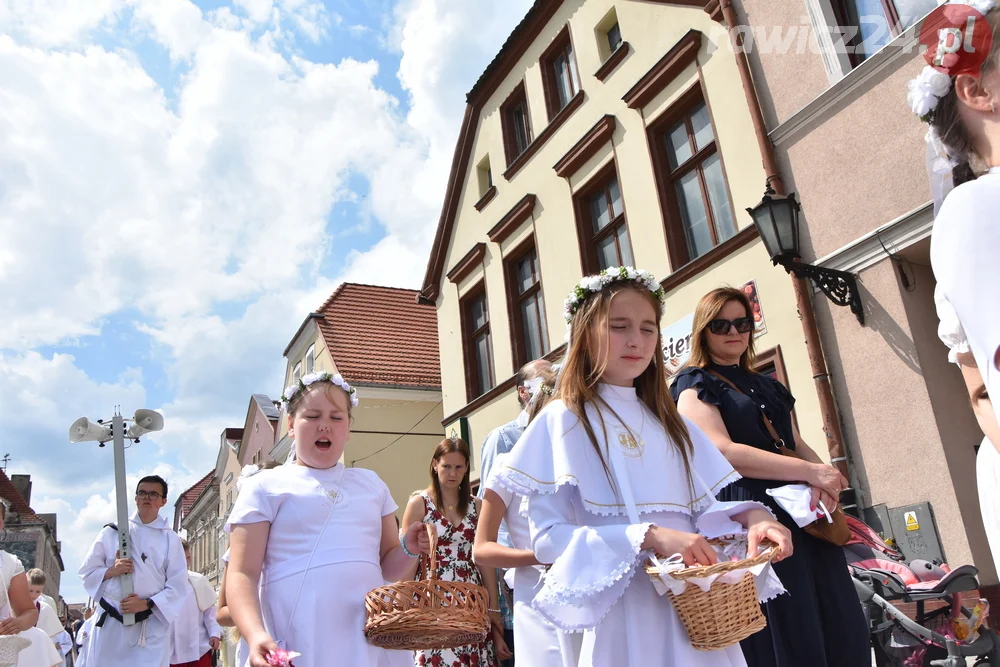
124 539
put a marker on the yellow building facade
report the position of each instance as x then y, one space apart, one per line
384 344
604 132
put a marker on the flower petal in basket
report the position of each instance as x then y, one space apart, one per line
10 646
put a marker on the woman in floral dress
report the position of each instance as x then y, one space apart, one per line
448 504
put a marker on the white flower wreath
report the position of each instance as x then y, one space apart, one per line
312 378
594 284
926 89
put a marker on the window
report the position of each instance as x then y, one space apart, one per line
485 175
600 214
559 76
614 36
692 183
229 500
310 359
868 25
478 343
297 373
516 122
524 284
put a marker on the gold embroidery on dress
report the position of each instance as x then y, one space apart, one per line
633 447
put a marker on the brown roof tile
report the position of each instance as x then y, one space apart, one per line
381 335
17 502
186 500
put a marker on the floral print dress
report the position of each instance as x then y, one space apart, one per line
454 563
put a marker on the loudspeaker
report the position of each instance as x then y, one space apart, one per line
84 430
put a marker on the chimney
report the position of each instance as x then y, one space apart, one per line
23 485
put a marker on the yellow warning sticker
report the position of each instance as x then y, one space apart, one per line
911 521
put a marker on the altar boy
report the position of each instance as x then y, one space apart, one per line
159 576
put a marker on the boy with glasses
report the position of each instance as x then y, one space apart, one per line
159 577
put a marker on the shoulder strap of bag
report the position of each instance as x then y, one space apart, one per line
778 442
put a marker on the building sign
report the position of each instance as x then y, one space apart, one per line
677 336
759 326
677 343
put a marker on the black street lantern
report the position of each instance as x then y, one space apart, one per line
777 221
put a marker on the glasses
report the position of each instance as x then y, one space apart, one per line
720 327
152 495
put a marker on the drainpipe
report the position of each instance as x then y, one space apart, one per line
814 347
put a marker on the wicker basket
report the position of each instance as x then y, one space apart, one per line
427 613
10 646
725 614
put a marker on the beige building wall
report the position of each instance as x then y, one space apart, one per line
651 29
849 147
309 337
227 493
377 441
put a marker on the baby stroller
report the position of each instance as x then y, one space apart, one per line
883 579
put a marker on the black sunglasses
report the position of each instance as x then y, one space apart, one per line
720 327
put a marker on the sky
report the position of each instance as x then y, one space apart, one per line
181 183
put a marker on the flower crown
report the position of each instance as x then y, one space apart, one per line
934 81
594 284
537 386
306 380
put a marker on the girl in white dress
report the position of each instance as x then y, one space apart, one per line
961 104
538 642
19 613
610 447
315 537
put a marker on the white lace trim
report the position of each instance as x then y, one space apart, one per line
623 574
522 484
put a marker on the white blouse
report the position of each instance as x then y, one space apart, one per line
965 255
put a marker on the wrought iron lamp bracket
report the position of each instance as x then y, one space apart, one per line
840 287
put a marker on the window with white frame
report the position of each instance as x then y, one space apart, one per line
310 359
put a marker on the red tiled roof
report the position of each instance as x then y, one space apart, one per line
186 500
381 335
17 502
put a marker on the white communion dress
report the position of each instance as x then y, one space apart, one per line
322 558
538 643
965 255
581 525
952 334
43 651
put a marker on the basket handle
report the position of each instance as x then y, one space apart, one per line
432 534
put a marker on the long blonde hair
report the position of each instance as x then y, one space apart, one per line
709 307
580 375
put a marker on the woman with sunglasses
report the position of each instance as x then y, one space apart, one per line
820 622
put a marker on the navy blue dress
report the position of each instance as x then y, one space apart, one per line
819 622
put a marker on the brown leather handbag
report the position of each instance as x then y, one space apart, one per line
836 532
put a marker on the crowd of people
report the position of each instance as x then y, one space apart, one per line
609 462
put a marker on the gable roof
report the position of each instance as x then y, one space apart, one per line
381 336
266 406
514 47
503 62
187 498
17 502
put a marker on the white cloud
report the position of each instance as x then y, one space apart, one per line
56 22
202 212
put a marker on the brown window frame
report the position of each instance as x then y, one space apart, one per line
519 345
581 208
550 83
472 379
518 97
666 178
845 13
